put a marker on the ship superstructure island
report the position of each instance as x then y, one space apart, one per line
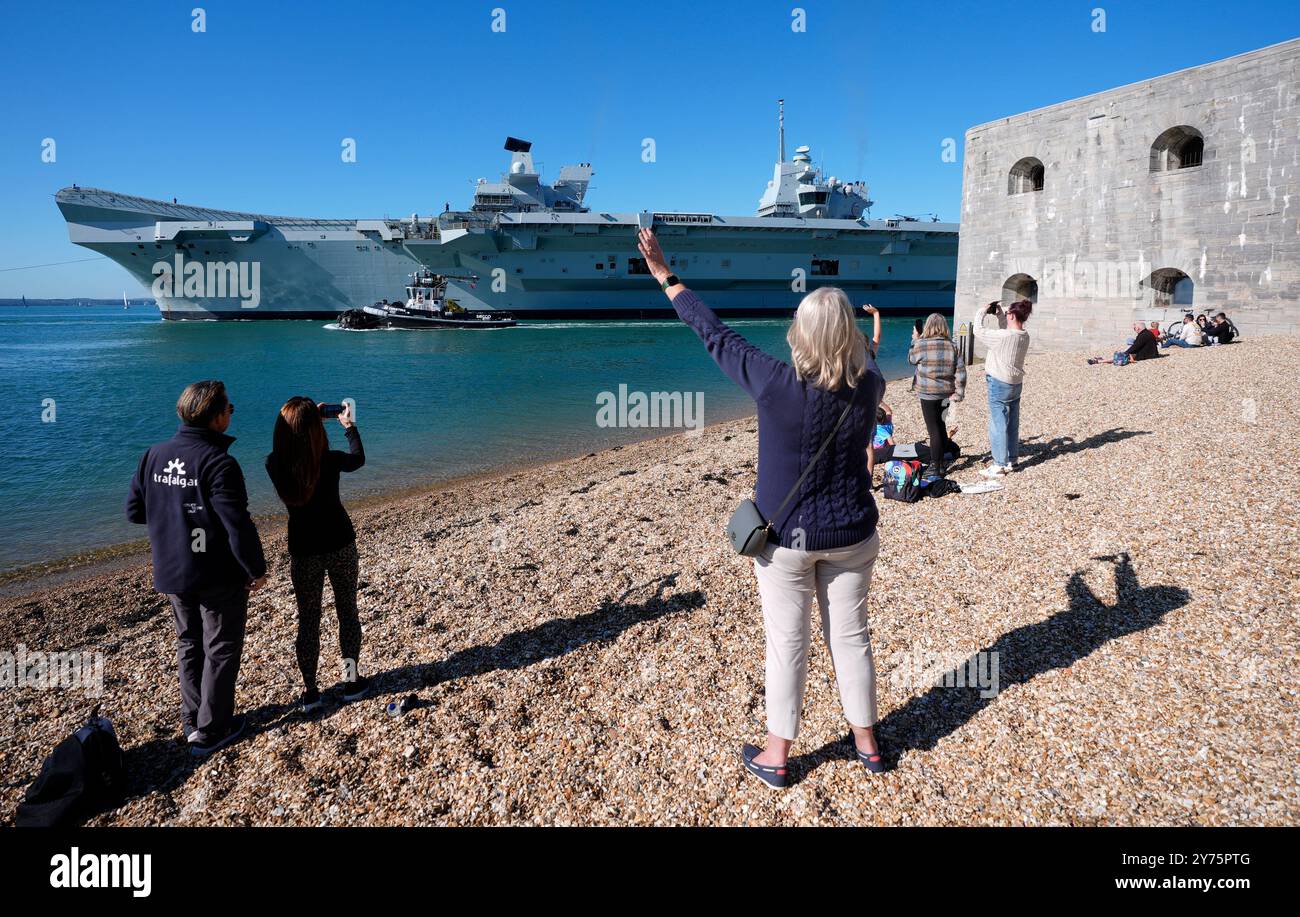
537 250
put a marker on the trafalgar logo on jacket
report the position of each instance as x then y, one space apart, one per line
174 475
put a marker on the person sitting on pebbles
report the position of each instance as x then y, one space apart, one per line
1143 346
1222 331
1188 334
815 416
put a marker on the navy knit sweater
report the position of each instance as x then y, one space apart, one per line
834 507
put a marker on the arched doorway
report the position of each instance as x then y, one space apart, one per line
1170 288
1017 287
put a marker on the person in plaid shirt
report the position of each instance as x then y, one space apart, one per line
940 376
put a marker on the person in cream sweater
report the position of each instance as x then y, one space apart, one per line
1004 366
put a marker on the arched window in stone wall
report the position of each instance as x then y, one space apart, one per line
1026 175
1018 287
1179 147
1170 288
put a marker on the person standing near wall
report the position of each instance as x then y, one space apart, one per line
1004 368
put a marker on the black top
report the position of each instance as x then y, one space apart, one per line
1222 331
321 525
1144 346
190 492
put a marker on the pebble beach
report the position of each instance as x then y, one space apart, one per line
587 650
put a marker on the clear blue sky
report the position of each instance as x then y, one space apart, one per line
250 114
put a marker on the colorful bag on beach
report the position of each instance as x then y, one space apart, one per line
1121 358
903 481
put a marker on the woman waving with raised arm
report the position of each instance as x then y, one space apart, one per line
875 329
815 422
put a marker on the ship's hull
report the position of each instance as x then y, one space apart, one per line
304 268
572 266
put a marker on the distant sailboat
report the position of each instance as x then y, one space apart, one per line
24 301
124 305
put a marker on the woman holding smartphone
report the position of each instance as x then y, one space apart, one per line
305 472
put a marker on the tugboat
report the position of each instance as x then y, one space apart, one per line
426 306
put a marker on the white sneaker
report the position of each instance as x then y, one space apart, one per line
993 472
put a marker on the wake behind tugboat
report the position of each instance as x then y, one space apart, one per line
426 306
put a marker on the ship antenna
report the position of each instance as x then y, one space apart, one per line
780 120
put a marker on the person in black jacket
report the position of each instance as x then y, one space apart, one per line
1221 330
207 557
305 472
1144 346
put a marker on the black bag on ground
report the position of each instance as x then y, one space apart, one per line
82 776
942 487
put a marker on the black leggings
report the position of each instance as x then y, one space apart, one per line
932 411
308 575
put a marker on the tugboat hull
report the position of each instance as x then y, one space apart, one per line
417 321
371 318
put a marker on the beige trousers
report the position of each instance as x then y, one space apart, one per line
840 579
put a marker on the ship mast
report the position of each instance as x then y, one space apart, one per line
780 120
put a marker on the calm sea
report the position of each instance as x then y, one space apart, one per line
431 405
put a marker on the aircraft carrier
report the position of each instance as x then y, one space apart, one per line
537 250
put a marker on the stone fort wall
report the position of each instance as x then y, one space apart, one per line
1180 192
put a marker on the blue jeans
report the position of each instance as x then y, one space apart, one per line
1176 342
1004 420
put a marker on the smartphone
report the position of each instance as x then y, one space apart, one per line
331 410
919 325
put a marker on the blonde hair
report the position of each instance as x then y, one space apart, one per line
936 326
826 347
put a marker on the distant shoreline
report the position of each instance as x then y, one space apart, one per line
76 303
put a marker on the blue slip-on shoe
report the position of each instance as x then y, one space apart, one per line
872 762
775 778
